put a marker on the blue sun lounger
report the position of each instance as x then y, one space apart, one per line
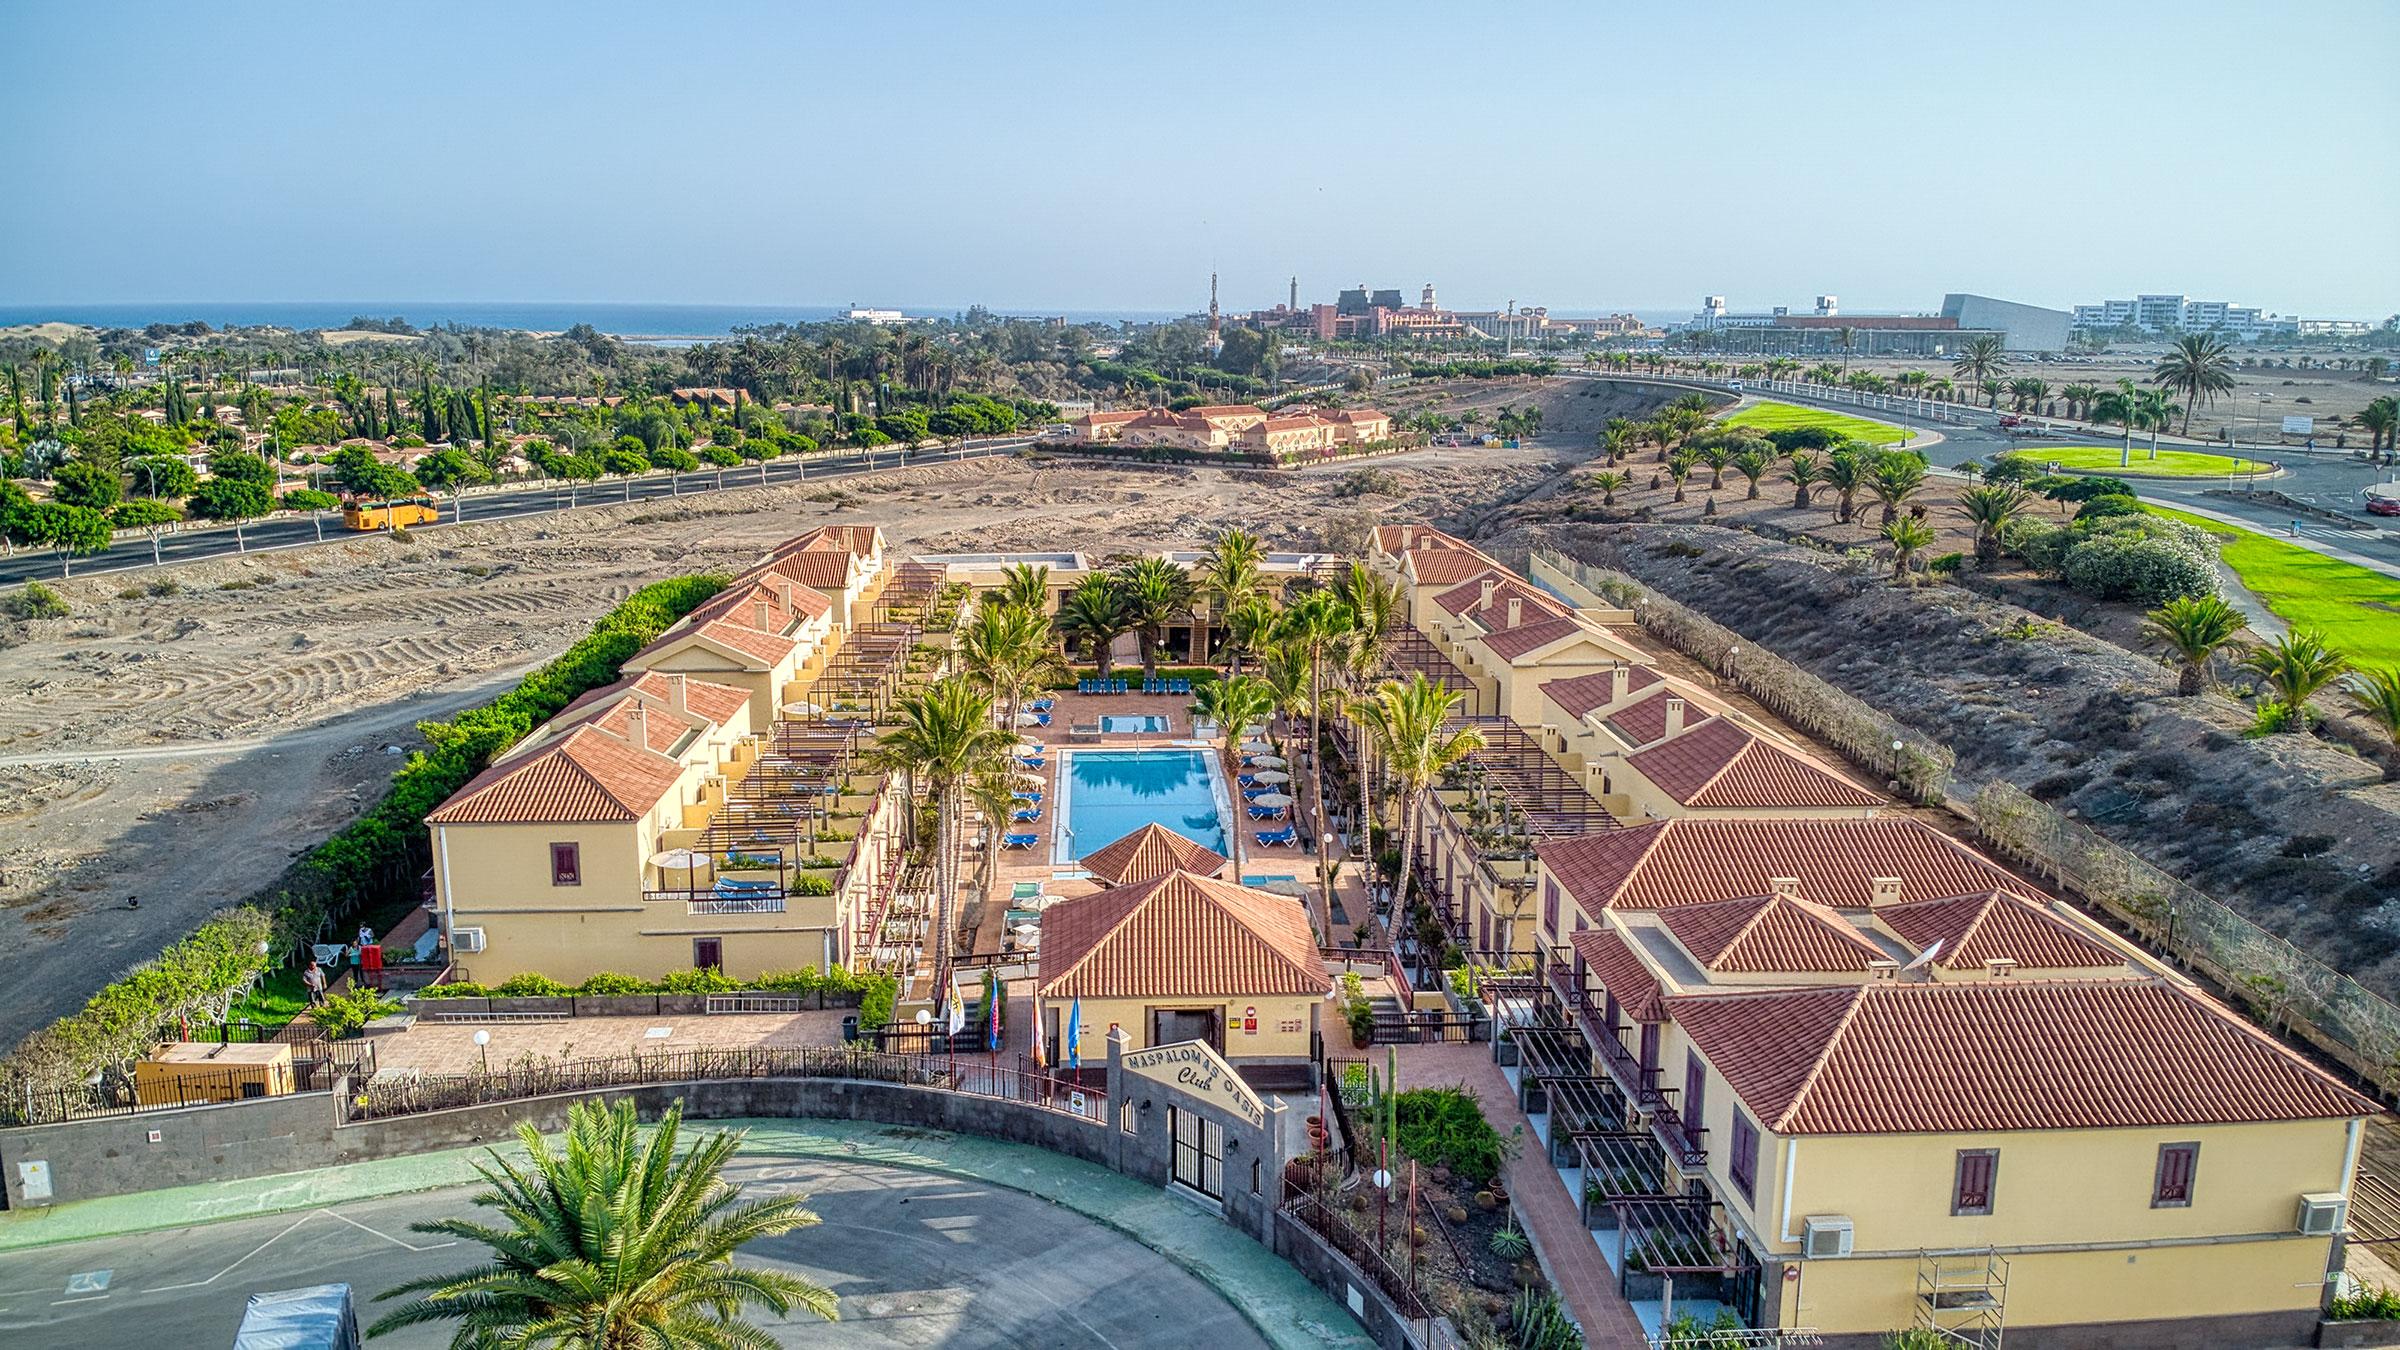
1019 840
1277 838
1027 816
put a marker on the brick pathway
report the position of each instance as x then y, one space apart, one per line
1568 1254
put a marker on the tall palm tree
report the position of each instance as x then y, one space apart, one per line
1416 744
2123 406
1908 536
2192 629
1232 704
1093 615
2198 367
2379 420
2296 666
1155 591
2377 694
1378 611
1006 648
1894 477
1228 575
1989 509
1026 585
1312 627
615 1241
1981 361
2157 413
944 737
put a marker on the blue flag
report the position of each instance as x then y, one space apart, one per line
1074 1055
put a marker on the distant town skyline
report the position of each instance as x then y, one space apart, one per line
1582 159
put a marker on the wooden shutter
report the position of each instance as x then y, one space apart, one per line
2177 1166
1978 1169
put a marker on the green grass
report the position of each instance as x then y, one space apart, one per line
277 998
1771 416
2357 610
2169 464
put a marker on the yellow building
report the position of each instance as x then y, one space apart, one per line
1182 957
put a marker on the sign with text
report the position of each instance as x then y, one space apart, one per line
1196 1069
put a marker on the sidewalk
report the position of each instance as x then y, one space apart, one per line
1564 1245
1284 1307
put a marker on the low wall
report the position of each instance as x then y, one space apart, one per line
1346 1284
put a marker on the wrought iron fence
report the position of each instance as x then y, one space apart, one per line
1311 1211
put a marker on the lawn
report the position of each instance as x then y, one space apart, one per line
2169 464
1778 416
277 998
2357 610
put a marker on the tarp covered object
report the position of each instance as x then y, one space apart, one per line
317 1318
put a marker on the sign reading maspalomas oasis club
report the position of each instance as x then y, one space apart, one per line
1200 1071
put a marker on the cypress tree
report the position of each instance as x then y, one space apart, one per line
487 414
391 410
427 415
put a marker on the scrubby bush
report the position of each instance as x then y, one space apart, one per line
531 984
344 1014
2042 545
455 989
2107 504
2143 570
34 601
609 983
698 982
1445 1127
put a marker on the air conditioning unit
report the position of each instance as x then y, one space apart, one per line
467 939
2321 1214
1824 1235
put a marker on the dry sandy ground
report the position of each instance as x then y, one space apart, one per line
184 747
2332 397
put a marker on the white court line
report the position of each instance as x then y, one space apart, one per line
195 1284
404 1246
88 1298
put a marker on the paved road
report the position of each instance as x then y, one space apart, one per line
917 1259
507 504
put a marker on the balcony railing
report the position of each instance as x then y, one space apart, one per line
737 904
1640 1085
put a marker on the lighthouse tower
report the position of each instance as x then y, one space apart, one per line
1216 335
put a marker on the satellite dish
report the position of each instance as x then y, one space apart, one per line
1924 958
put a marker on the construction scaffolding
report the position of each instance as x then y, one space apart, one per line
1962 1296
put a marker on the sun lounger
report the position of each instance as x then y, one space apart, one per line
1278 838
1260 791
1266 813
733 886
1027 816
1027 794
1041 719
1116 686
1024 890
1019 840
1043 704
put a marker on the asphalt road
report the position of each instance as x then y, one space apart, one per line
301 531
917 1260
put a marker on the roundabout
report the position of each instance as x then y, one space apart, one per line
2102 459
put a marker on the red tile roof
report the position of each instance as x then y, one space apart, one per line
1584 693
1995 925
1511 643
1644 720
1179 936
1149 853
719 703
1446 566
1212 410
1621 973
1397 539
1692 861
1719 764
1768 934
1469 598
859 540
1993 1055
584 776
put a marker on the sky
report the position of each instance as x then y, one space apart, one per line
1050 156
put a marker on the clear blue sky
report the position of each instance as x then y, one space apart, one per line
1099 157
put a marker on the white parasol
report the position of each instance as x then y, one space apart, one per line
1029 743
1272 776
1267 761
1256 747
1291 888
802 708
1029 719
1272 799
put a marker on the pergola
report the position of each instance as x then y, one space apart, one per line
866 674
1551 802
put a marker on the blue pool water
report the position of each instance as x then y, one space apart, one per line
1111 793
1153 722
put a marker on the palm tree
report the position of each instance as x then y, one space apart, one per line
2191 629
1610 482
944 737
1006 648
1155 591
1907 535
1027 586
1990 508
1716 455
1804 470
1846 473
1377 611
1409 725
2079 399
1232 704
2377 694
1679 468
1981 361
2199 367
1093 615
615 1241
1753 465
1249 626
1312 627
1894 477
2157 413
1228 575
2296 666
2123 406
2379 420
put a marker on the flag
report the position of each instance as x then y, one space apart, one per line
991 1000
1039 1060
1074 1055
958 1014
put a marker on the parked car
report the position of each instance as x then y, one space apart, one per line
2383 506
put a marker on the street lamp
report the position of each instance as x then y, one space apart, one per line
483 1043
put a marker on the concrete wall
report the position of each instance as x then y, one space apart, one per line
1346 1284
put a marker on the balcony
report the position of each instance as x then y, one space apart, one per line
1640 1085
736 904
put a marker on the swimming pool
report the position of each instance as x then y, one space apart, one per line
1104 795
1115 722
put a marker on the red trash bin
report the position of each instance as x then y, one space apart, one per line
370 965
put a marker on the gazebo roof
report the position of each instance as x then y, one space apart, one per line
1150 853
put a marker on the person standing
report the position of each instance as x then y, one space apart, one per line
314 978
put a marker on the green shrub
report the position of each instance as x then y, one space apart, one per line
879 993
2145 571
531 984
698 982
1538 1321
2106 505
1445 1127
455 989
342 1015
1917 1338
2076 487
2372 1303
609 983
807 885
1947 565
193 979
34 600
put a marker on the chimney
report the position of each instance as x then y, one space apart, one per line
1516 612
1674 717
1620 682
758 616
1489 585
1883 891
675 692
1785 888
637 726
2000 967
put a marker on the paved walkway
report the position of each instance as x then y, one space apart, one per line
1285 1308
1549 1214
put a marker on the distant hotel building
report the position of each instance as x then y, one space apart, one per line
1234 427
1362 313
1963 318
2182 314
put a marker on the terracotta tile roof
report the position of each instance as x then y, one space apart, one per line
1770 933
1584 693
1357 415
1304 423
1469 598
1446 566
1718 764
854 539
825 570
1621 973
1149 853
1179 936
584 776
1692 861
1993 1055
1511 643
1644 720
719 703
1226 410
1107 419
1995 925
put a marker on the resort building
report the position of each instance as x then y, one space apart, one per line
1234 429
1183 957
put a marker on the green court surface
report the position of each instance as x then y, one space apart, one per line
1771 416
2357 609
2169 464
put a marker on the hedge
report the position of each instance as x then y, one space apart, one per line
375 860
877 991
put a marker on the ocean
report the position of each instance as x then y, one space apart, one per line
644 321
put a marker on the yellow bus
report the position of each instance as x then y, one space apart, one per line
399 513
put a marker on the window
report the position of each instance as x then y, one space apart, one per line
1978 1169
2171 1188
1743 1159
566 864
1549 908
1695 1082
708 953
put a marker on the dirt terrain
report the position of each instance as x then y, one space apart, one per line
182 747
2332 397
2296 834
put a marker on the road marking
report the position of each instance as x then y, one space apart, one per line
196 1284
89 1282
404 1246
88 1298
